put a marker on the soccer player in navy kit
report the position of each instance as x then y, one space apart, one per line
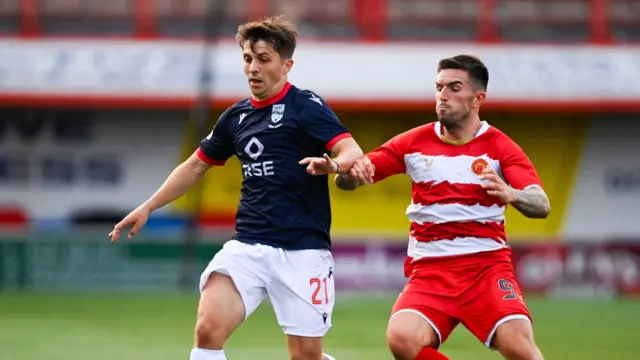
281 247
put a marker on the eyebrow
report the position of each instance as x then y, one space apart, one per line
258 54
455 82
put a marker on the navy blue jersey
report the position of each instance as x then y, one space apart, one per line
281 205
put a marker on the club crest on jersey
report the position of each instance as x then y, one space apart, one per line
478 166
428 163
277 113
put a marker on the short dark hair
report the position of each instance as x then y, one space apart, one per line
281 34
476 69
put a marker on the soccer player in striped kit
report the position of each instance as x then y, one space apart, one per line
464 173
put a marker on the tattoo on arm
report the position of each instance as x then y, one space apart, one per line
343 183
532 203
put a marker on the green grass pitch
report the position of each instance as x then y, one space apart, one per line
159 327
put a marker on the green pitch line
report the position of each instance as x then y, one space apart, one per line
159 327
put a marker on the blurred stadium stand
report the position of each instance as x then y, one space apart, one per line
547 21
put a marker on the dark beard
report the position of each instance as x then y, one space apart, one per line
451 124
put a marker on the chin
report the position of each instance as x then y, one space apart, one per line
256 93
446 121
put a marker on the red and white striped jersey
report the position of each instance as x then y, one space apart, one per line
450 213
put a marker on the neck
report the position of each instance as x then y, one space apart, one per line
465 132
272 92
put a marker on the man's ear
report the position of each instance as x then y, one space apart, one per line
479 99
288 65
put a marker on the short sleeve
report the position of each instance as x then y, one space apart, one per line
388 159
321 123
216 148
516 167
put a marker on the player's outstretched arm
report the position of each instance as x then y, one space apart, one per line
347 152
181 179
382 162
355 177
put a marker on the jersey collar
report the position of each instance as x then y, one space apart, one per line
272 100
438 129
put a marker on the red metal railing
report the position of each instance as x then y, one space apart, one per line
594 21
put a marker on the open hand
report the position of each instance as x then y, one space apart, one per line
497 187
137 218
320 165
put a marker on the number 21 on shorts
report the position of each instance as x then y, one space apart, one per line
321 291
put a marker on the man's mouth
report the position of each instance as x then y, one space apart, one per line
254 81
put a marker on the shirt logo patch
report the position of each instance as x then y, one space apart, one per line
277 113
254 148
428 163
478 166
316 99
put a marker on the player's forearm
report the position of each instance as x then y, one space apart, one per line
347 157
181 179
532 203
343 182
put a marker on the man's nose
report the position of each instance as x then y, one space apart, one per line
253 68
444 94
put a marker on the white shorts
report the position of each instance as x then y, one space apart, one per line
299 283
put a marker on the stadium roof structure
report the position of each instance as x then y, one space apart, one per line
487 21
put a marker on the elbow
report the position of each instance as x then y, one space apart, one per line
543 208
546 211
342 184
542 213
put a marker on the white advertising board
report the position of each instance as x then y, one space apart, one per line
345 71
